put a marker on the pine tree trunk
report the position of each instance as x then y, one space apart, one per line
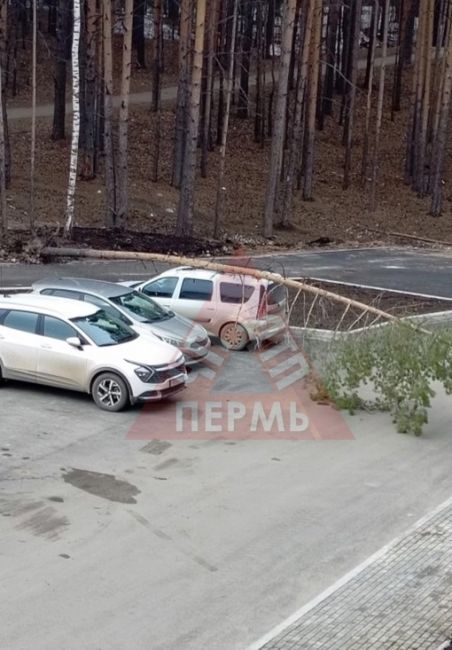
122 177
442 133
52 18
33 117
242 107
331 53
61 55
138 39
182 90
211 37
221 189
404 14
156 88
296 144
110 162
90 112
3 204
70 204
3 62
420 180
270 30
260 87
187 192
372 45
381 90
369 86
279 125
314 66
351 95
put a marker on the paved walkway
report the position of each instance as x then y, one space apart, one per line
169 94
401 599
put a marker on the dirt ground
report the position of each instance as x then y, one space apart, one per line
322 313
334 216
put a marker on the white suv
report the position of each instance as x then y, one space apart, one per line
237 308
74 345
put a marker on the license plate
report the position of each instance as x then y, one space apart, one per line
175 382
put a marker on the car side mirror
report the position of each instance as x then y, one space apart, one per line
75 342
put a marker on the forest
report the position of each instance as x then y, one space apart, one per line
284 121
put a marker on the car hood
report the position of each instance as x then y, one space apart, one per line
146 349
178 328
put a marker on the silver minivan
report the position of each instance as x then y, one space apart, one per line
138 310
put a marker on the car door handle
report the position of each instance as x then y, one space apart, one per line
46 347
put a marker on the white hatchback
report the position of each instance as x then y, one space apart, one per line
238 308
77 346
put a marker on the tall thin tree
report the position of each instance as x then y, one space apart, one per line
381 90
221 189
33 117
110 163
122 178
70 202
187 191
279 126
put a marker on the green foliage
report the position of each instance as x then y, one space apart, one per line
400 364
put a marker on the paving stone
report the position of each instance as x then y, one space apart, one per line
402 601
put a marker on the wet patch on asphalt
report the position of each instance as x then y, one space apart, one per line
106 486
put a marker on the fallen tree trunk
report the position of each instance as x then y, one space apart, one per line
221 268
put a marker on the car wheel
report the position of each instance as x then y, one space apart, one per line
110 392
234 336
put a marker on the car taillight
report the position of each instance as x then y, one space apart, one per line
262 309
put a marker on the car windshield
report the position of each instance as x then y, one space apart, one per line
105 329
141 307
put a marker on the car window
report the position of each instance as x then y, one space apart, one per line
235 292
161 288
55 328
140 307
194 289
104 304
25 321
276 293
105 329
63 293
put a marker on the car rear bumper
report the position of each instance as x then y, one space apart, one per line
261 330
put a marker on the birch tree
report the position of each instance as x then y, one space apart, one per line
73 163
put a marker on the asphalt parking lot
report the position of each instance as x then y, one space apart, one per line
114 539
120 532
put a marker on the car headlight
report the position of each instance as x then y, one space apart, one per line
145 373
